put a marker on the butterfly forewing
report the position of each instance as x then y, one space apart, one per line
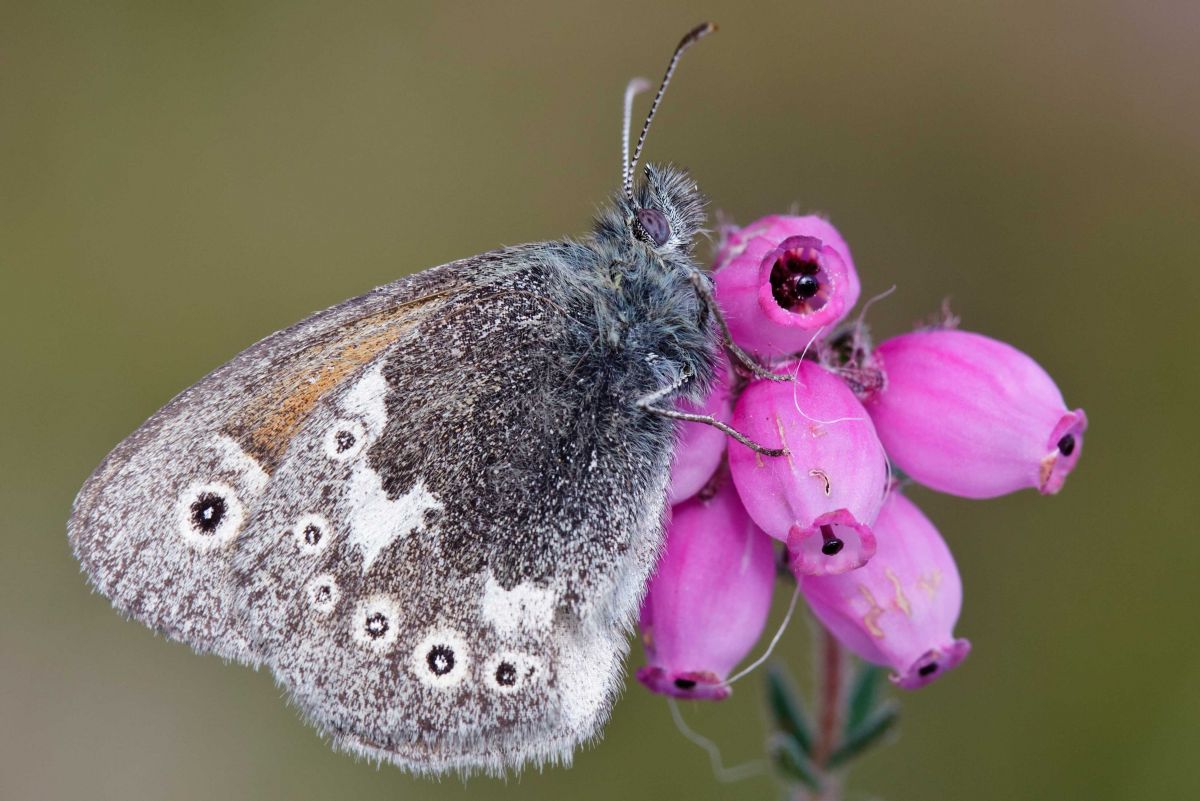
157 522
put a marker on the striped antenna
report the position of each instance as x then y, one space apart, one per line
693 36
635 88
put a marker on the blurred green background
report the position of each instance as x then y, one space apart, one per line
179 179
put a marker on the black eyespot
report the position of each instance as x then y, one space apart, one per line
506 674
208 510
344 440
441 660
654 225
376 625
312 534
323 593
1066 445
927 670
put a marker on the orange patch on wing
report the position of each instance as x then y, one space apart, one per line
269 422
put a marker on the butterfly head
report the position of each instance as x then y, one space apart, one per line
666 211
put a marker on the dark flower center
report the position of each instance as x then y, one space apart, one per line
1066 445
927 670
831 546
685 684
797 281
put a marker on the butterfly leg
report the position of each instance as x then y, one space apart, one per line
649 403
688 417
704 291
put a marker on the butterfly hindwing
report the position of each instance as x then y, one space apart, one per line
445 562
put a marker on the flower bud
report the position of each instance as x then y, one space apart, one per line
780 279
971 416
699 448
900 609
708 601
822 496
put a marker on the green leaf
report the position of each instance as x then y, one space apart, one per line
868 733
787 710
861 699
792 762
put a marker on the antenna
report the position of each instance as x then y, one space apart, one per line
632 90
693 36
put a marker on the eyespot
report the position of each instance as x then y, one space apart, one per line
441 659
653 223
209 515
509 672
312 533
344 440
323 593
506 674
376 622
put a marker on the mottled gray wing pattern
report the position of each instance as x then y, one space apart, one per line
157 522
444 566
430 510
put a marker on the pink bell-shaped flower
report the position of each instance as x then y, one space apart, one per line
699 447
822 496
708 601
971 416
780 279
899 610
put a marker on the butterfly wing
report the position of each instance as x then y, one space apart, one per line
446 530
157 522
444 566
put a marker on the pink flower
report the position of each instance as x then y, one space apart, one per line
971 416
823 495
709 599
780 279
700 447
900 609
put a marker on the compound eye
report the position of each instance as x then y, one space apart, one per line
654 225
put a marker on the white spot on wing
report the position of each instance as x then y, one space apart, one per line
587 670
525 607
377 521
236 459
365 400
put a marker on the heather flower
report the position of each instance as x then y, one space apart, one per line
700 448
780 279
708 600
823 495
971 416
899 610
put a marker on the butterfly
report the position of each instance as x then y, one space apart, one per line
431 510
